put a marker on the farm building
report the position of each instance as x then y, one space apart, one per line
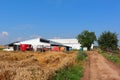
10 46
68 42
37 43
47 44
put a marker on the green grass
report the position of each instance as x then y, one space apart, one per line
1 49
74 72
112 57
81 55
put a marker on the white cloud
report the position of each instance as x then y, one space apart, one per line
4 33
4 37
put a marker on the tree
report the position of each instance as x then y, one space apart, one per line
108 41
86 38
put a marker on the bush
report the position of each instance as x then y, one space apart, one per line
108 41
74 72
1 49
81 55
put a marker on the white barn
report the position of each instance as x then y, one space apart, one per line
38 42
68 42
73 43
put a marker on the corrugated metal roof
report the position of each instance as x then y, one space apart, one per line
64 41
34 42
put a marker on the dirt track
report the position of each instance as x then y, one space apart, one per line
99 68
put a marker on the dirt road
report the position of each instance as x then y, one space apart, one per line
99 68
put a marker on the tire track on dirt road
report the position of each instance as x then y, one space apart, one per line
99 68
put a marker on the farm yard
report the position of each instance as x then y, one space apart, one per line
59 40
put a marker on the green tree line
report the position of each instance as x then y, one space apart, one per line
108 41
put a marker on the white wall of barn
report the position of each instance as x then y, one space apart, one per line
35 43
68 42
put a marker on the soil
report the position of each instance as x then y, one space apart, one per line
99 68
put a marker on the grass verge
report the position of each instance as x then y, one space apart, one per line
81 55
74 72
1 49
69 73
112 57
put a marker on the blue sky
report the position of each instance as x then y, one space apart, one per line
24 19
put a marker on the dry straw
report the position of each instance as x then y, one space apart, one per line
33 66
